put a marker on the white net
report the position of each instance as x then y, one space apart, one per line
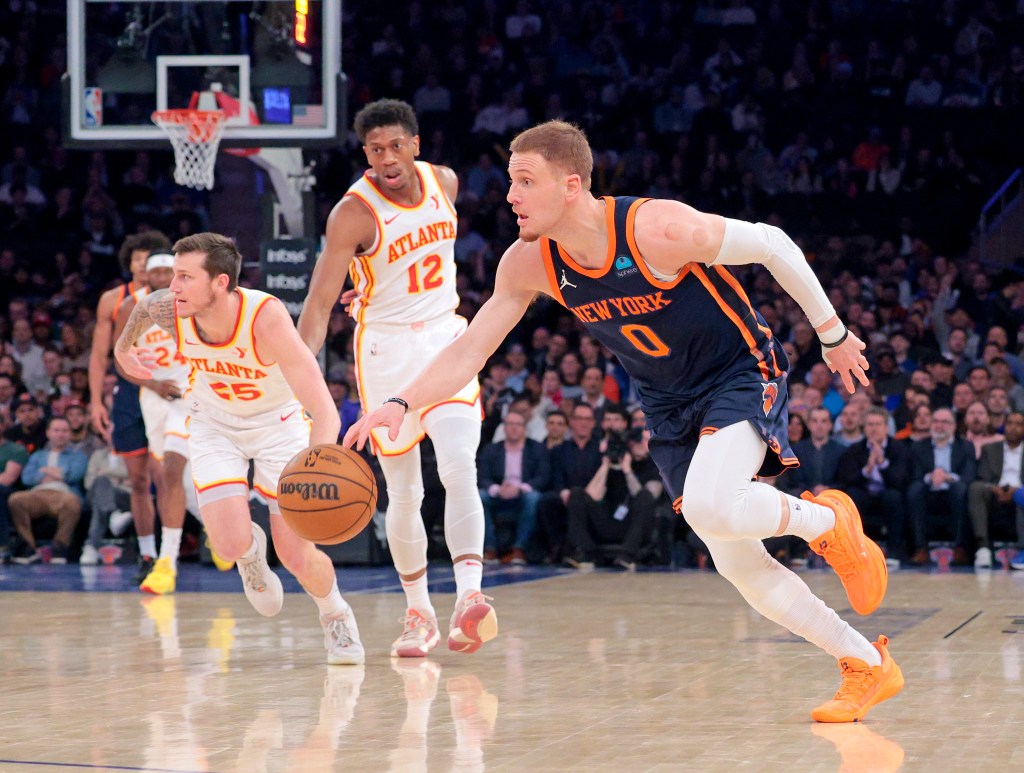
194 135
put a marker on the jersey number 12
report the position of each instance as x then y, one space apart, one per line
432 278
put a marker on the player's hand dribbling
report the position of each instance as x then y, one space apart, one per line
848 361
136 362
389 415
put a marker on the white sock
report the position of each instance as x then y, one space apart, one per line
332 603
253 548
147 545
809 520
170 544
417 596
468 576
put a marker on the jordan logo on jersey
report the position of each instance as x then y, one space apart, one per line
565 282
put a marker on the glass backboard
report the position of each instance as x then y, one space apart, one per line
276 65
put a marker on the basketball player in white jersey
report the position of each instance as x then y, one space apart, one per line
394 233
251 380
164 414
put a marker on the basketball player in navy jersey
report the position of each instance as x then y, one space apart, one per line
650 279
124 424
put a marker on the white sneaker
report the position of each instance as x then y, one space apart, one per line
341 637
983 558
119 521
892 563
90 555
262 587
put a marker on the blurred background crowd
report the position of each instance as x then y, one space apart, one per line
871 132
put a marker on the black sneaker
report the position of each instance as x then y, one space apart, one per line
58 553
144 568
25 554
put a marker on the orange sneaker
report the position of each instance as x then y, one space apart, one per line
863 686
474 622
857 560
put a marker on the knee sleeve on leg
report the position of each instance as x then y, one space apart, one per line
456 440
720 500
407 539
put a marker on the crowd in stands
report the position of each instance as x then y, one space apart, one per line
870 132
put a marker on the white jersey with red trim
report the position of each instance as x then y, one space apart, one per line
408 275
230 377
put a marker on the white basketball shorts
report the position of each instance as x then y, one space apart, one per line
221 446
388 357
165 422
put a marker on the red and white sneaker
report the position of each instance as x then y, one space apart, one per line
419 636
474 622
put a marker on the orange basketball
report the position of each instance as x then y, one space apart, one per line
327 494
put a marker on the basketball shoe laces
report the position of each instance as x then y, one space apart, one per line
338 630
412 623
839 557
254 577
856 682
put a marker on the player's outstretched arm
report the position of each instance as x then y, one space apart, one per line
157 308
465 357
671 234
350 227
277 340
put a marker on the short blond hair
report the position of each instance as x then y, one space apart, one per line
559 143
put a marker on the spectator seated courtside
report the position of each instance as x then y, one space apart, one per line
512 474
616 510
994 498
942 468
53 477
874 473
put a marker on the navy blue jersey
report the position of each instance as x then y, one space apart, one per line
676 339
698 352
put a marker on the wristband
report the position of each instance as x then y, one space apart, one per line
398 400
834 344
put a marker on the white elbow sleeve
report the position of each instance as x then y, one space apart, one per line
745 243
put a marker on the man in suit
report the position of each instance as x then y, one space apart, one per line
819 457
874 472
573 464
511 473
990 498
942 468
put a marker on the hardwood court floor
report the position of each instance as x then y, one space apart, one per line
602 671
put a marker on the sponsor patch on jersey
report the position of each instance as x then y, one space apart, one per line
624 266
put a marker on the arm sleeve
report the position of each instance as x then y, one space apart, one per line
746 243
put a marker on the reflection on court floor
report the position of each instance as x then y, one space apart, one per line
603 671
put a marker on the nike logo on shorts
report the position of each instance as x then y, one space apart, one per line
288 415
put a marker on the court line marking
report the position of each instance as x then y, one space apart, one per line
965 622
96 767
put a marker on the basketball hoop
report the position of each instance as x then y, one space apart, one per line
194 135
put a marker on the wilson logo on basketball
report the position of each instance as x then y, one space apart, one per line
323 492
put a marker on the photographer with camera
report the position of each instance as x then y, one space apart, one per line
615 511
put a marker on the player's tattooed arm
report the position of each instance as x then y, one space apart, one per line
157 308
